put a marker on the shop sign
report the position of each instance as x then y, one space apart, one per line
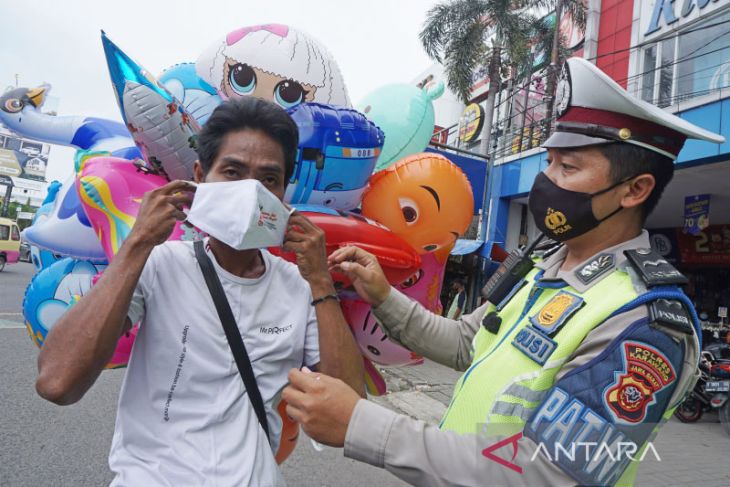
470 125
722 312
664 241
696 213
665 13
710 247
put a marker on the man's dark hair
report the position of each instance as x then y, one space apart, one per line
248 113
628 160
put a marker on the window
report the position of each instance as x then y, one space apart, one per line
688 65
4 232
666 73
647 85
15 234
704 59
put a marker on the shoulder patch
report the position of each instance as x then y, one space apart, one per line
646 371
613 403
671 313
601 264
653 268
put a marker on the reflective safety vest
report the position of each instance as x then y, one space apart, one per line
512 370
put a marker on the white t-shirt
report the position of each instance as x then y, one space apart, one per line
184 417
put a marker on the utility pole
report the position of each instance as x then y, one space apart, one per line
495 83
17 76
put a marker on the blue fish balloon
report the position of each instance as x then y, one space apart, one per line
338 149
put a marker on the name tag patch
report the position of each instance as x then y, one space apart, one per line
556 312
535 345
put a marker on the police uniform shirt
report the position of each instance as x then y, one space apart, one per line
422 454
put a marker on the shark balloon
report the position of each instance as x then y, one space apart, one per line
159 123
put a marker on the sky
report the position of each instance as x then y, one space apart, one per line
375 42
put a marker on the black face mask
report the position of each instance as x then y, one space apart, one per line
562 214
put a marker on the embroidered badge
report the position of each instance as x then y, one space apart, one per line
598 266
556 312
646 371
534 344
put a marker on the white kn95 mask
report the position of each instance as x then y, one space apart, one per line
241 214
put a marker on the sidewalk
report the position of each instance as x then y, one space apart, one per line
691 454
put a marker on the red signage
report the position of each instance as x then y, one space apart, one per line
710 247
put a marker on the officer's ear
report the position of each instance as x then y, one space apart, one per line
638 189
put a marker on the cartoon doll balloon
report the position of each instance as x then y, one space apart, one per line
274 62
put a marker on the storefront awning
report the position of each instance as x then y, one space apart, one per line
490 250
464 246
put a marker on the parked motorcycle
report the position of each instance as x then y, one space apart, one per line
712 388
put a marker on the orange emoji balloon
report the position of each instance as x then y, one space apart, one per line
424 199
289 434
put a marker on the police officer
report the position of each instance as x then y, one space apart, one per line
577 357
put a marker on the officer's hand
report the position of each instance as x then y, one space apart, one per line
321 404
307 241
161 208
363 269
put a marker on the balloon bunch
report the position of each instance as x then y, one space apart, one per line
412 209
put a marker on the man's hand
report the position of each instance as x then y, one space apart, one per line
307 241
321 404
364 271
161 208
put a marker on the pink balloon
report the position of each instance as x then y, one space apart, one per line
424 287
111 190
373 342
124 346
123 350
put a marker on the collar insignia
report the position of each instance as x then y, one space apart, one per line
597 267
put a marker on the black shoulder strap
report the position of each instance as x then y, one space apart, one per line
672 314
653 268
232 334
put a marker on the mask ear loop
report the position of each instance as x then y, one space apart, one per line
615 185
626 180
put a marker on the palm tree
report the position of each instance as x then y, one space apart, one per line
455 34
577 11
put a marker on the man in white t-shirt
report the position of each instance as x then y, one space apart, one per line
184 415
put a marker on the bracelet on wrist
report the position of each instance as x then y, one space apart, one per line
334 296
